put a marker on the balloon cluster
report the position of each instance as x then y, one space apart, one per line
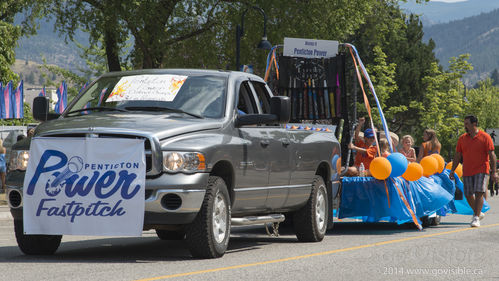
396 165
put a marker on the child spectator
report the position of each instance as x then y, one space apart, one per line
407 150
384 146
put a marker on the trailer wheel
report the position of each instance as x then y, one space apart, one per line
435 220
35 244
208 235
310 222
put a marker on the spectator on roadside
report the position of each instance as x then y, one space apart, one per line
494 186
3 166
430 144
476 150
407 150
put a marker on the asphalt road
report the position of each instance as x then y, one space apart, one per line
351 251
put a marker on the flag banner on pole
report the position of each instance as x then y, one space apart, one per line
42 93
18 101
62 98
101 97
83 88
5 101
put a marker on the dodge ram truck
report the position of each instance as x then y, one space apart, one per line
218 152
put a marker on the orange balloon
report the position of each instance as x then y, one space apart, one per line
459 169
380 168
414 172
441 162
430 165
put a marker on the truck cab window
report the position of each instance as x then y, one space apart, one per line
263 96
246 103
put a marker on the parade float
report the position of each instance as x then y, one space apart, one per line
313 74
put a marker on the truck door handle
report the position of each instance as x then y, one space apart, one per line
264 143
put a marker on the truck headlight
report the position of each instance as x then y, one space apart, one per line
18 160
174 161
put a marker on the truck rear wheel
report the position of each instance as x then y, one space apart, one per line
208 235
35 244
310 222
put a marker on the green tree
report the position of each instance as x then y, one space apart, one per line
30 78
495 77
400 38
172 33
442 108
10 33
483 102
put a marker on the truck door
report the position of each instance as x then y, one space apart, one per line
304 154
277 151
252 171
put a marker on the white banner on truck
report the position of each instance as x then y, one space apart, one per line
85 186
309 48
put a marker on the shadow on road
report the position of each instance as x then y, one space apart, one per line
149 248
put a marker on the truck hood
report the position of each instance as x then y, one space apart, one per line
153 124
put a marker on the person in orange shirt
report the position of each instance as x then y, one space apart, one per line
476 150
430 144
367 154
360 141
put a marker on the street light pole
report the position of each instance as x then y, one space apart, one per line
264 44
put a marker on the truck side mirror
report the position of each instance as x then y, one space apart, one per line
281 107
41 109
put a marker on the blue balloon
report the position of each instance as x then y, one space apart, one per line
399 164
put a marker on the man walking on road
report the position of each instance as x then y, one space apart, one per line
476 150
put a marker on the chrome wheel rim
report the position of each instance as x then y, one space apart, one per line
219 218
320 209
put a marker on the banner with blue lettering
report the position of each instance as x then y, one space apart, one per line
85 186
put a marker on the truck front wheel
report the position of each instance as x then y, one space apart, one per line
310 222
208 235
35 244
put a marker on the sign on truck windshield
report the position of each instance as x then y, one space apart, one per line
199 95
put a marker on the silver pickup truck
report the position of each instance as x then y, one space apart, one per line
219 154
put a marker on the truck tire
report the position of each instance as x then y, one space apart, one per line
35 244
208 235
170 234
310 222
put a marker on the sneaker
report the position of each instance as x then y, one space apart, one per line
481 216
475 222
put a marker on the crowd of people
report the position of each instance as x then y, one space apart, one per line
475 150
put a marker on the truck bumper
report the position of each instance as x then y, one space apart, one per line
169 198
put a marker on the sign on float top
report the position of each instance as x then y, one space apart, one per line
310 48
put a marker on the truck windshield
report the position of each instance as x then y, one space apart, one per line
192 96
